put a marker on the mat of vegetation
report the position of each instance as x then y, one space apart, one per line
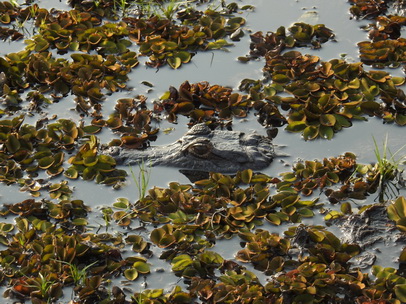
50 249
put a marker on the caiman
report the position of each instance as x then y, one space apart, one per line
371 230
203 149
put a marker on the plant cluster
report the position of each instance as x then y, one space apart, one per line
49 245
274 43
386 47
91 166
203 102
86 76
326 96
48 248
132 120
13 19
28 149
82 30
386 27
165 42
368 8
307 262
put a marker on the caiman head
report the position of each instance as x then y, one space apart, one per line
202 149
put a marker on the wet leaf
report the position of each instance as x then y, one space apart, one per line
400 119
174 62
305 212
12 143
246 176
131 274
397 210
326 132
296 126
141 267
400 291
121 203
79 222
180 262
327 120
274 219
346 208
72 173
310 132
46 162
218 44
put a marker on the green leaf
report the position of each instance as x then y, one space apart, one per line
400 119
346 208
41 45
328 120
310 132
218 44
274 219
316 236
74 46
121 203
5 18
402 257
400 291
306 212
5 227
180 262
141 267
12 143
397 210
280 78
401 224
342 121
246 176
296 126
46 162
289 176
174 62
184 56
79 222
326 132
72 173
333 215
131 274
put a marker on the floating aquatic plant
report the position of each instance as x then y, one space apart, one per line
386 27
265 250
397 213
326 96
165 42
368 8
50 243
300 34
204 102
383 53
89 165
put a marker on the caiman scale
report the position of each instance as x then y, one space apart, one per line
371 230
203 149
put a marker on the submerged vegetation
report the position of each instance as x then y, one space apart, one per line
51 247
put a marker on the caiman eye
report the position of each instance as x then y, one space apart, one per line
200 149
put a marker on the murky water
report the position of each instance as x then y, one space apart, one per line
223 68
